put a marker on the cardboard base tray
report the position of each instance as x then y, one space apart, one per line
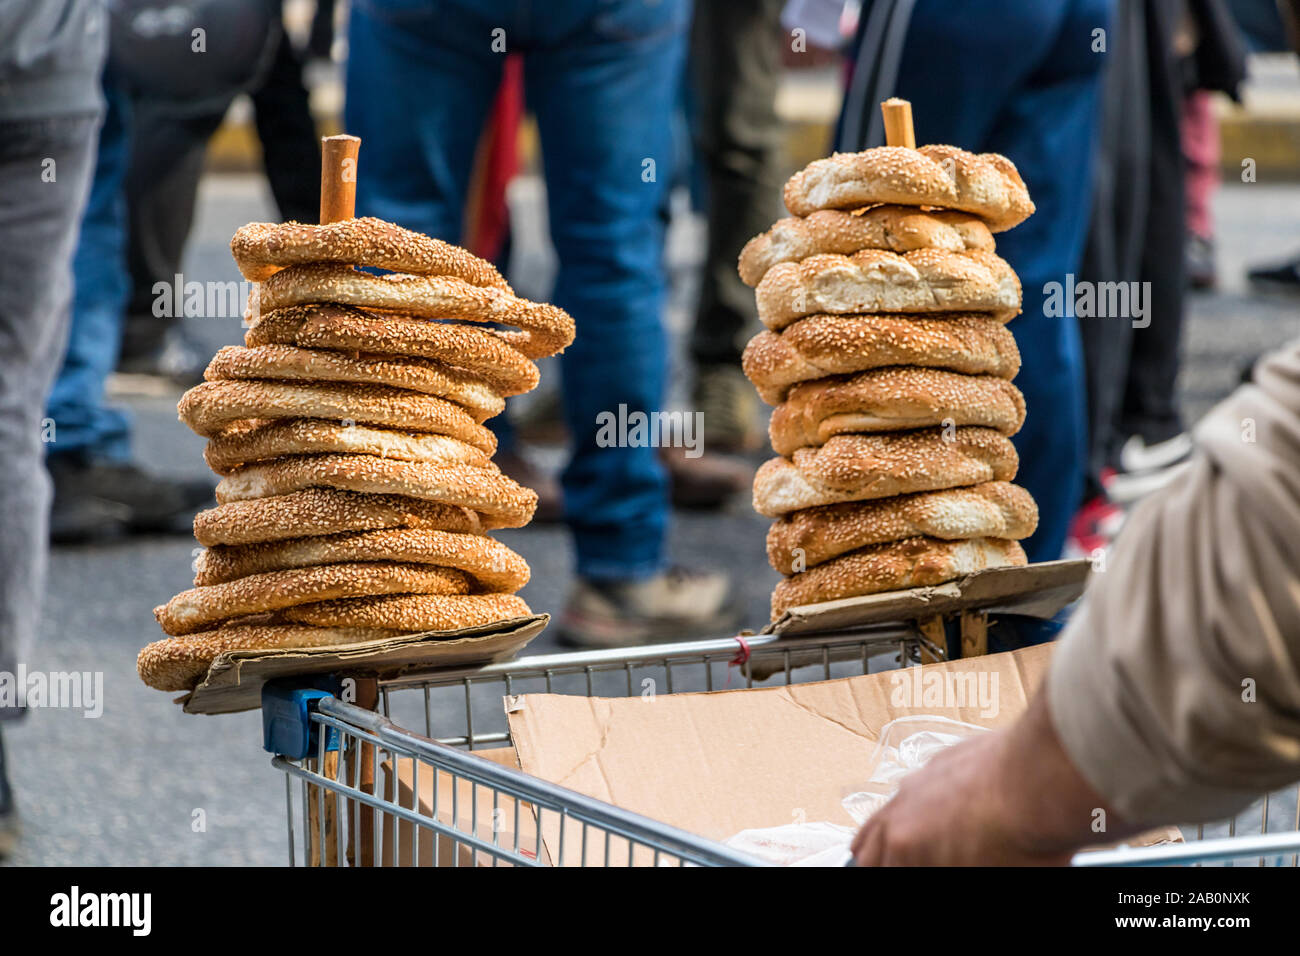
234 681
1035 590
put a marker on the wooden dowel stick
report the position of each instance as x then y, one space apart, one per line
898 123
338 177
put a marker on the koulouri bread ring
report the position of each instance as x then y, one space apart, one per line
896 228
804 539
249 441
897 398
983 184
287 362
325 511
875 280
501 501
823 345
545 329
911 563
862 467
414 612
491 565
211 407
202 607
179 663
466 349
262 249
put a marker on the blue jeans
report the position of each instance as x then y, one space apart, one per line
1018 77
84 424
601 77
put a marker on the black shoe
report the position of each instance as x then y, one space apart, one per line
99 499
175 360
1200 262
9 828
1280 278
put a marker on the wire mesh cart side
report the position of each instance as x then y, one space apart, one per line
363 790
496 815
370 792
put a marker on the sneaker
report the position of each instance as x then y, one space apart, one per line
541 421
1126 489
674 605
1279 278
707 482
99 499
1093 528
9 827
550 499
1137 455
175 361
732 419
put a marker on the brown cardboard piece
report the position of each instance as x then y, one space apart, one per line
718 763
1037 590
234 681
491 824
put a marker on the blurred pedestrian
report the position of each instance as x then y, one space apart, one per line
1162 51
178 99
165 99
734 70
602 78
51 52
1021 78
98 491
1272 26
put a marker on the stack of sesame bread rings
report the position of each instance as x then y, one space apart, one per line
887 358
357 484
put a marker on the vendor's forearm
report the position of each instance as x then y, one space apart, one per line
1176 689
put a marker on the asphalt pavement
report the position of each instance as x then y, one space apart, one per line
146 784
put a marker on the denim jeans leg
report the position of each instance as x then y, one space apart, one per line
604 104
1027 90
420 83
84 423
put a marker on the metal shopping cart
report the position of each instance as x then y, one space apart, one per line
362 789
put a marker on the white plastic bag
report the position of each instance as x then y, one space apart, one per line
905 744
794 843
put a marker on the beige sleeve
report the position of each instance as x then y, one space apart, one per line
1176 688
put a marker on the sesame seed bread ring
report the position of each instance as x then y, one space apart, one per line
897 398
245 442
413 612
475 351
210 407
896 228
822 345
861 467
198 608
502 502
983 184
546 329
324 511
286 362
492 565
911 563
263 248
813 536
179 663
875 280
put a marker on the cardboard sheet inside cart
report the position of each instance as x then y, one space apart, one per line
715 764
